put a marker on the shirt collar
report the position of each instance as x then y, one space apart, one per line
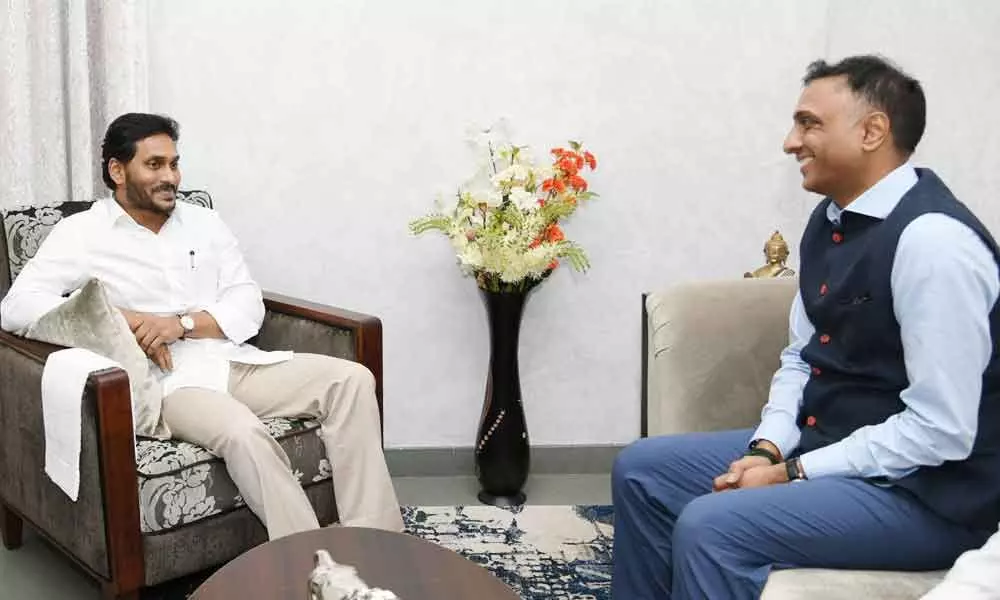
880 199
115 213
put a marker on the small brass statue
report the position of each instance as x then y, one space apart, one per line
776 253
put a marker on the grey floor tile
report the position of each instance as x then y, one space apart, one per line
37 571
540 489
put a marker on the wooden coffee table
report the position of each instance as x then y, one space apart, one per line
412 568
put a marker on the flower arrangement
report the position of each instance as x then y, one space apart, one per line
505 224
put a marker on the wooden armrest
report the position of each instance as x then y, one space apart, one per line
108 394
110 389
33 349
366 329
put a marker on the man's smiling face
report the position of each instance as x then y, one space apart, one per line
826 137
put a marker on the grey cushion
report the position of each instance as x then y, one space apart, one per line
713 348
830 584
88 320
182 483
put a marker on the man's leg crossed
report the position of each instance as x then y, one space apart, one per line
341 395
651 483
725 544
256 463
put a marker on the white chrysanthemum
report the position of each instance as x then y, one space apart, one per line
513 175
522 198
543 172
471 257
489 196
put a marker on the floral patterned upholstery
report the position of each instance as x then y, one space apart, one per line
26 228
182 483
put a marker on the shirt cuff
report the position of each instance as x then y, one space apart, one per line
236 328
829 461
783 435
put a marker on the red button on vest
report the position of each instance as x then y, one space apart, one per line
816 371
824 339
837 237
823 289
811 421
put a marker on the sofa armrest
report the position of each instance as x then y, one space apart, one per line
303 326
711 349
100 531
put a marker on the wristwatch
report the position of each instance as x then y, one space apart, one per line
793 468
187 323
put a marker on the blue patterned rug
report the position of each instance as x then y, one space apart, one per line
543 552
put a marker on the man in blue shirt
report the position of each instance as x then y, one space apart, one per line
879 446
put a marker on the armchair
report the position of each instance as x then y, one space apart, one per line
155 510
709 352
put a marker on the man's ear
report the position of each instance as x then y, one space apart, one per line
117 171
876 131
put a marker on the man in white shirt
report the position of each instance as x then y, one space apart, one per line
176 272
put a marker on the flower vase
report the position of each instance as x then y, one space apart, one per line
502 453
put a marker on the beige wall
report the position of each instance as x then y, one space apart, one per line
322 127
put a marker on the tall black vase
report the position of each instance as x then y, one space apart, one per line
502 452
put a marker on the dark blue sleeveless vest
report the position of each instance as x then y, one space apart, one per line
856 354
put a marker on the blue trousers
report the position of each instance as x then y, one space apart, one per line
675 539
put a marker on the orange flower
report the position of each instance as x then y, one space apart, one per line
558 151
577 183
553 184
567 164
541 202
553 264
591 160
535 243
553 233
571 199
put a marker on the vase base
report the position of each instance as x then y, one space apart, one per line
502 501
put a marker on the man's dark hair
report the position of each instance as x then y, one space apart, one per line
887 88
125 131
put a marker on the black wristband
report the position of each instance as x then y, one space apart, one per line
793 468
758 451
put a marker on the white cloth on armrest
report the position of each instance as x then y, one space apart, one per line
63 380
975 576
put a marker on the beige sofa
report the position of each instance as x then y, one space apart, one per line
710 349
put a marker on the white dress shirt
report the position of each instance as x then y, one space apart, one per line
944 284
193 264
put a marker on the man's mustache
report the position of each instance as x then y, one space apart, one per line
166 187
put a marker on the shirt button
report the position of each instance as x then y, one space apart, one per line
837 237
823 289
824 339
816 371
811 421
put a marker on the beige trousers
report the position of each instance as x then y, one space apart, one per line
339 393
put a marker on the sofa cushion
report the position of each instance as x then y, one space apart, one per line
182 483
88 320
829 584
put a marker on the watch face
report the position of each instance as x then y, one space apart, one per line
187 323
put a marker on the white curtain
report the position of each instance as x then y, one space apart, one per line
67 68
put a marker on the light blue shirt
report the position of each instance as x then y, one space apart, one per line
944 284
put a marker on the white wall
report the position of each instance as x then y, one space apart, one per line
323 127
